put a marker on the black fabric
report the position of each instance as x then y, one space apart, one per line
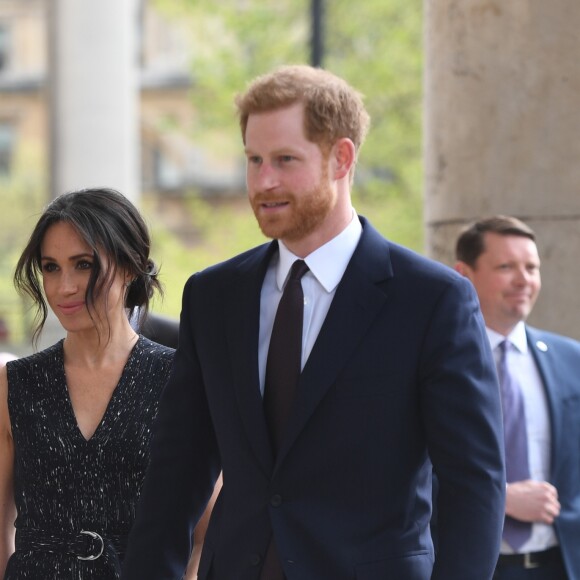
66 487
284 355
161 329
530 560
546 565
282 373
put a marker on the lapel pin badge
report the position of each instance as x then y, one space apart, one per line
542 345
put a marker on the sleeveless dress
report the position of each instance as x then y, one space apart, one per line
76 498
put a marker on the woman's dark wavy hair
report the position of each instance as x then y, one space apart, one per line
113 228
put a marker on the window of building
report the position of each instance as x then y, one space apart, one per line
167 174
4 46
7 138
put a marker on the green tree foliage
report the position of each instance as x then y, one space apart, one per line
375 45
20 202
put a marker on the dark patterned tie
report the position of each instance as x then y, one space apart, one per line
282 374
515 532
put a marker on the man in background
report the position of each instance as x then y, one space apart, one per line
161 329
539 373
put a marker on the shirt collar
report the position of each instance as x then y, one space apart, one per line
517 337
327 263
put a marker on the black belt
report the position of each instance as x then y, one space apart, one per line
84 545
530 559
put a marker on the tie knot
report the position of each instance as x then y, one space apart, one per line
299 268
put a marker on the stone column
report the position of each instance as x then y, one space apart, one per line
502 127
94 95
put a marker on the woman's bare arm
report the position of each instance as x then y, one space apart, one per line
7 507
199 534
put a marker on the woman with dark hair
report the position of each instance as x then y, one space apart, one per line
76 418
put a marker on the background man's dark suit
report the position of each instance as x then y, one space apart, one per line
161 329
402 366
558 360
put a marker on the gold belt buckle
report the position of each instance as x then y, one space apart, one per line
529 563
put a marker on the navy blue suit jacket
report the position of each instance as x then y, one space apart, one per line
401 375
558 361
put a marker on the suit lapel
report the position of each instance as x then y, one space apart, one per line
358 300
243 325
548 372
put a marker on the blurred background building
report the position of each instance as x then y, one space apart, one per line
42 154
170 161
474 109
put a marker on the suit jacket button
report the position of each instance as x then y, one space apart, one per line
255 559
276 500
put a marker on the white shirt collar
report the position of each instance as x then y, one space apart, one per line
517 337
326 263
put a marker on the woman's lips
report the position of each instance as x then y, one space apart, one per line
71 307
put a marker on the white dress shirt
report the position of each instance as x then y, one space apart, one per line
327 265
522 366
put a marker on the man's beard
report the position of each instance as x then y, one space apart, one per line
304 215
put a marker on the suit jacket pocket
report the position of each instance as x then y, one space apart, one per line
412 566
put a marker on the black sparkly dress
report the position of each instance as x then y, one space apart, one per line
76 498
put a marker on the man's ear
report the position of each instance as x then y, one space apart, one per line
462 268
343 156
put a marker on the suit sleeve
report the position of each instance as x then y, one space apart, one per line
462 415
183 467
